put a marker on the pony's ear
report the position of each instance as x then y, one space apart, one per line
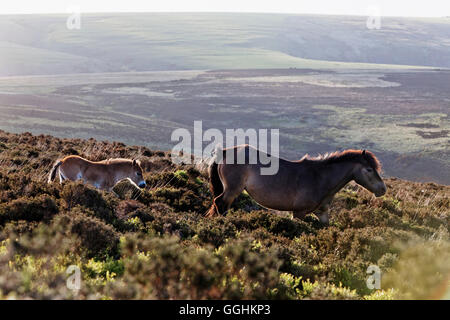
134 162
363 152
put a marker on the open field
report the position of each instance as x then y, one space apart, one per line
403 116
156 244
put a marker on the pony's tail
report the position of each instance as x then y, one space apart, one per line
215 184
52 174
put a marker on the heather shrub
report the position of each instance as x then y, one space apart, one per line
157 244
164 269
40 208
79 194
97 238
215 231
179 199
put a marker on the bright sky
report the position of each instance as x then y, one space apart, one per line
422 8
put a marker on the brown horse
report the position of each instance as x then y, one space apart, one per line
102 174
304 186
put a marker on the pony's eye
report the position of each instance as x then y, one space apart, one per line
369 169
139 174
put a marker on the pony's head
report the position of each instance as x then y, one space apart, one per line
136 175
367 173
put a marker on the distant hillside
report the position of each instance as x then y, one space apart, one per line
402 116
157 244
41 44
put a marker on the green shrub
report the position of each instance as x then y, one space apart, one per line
422 271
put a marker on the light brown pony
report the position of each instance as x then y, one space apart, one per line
304 186
102 174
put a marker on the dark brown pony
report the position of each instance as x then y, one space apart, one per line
304 186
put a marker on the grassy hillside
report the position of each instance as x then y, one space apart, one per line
157 244
144 42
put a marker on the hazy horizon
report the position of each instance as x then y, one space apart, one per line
222 12
432 8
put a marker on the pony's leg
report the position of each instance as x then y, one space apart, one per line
323 213
223 202
300 214
61 176
233 185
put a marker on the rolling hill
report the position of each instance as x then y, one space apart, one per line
42 44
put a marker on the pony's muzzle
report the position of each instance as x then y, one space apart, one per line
381 191
142 184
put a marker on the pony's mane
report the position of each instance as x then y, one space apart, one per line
116 160
347 155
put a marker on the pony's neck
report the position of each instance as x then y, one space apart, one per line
119 176
338 175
